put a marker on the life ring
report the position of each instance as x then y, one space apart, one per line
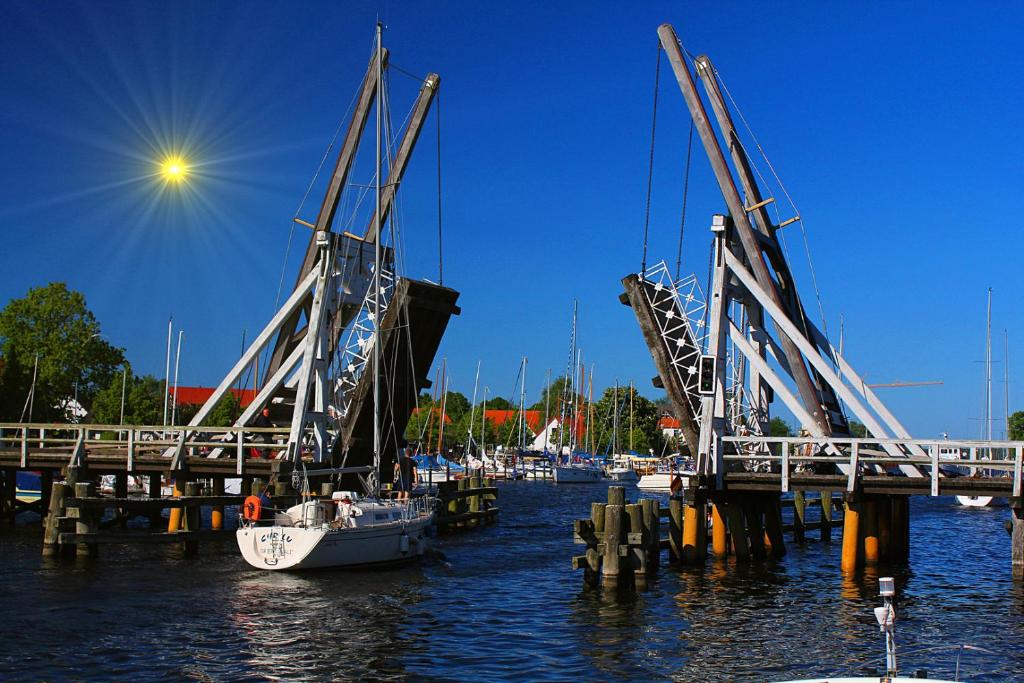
252 508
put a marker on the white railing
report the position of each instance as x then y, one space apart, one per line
788 454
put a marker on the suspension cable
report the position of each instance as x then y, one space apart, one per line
650 163
686 192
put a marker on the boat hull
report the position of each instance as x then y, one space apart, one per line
623 475
277 548
662 481
577 475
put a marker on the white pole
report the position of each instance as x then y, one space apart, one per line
988 369
124 382
472 411
376 281
167 366
177 359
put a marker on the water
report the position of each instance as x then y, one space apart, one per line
503 604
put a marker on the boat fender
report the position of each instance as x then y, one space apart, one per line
403 543
252 508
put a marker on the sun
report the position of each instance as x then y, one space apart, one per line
174 169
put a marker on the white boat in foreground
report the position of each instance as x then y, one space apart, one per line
662 481
343 532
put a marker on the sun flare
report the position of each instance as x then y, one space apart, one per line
174 169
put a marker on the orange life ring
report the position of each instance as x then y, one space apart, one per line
252 508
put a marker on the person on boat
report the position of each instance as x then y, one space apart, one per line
405 474
344 514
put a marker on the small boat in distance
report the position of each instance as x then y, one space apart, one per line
671 474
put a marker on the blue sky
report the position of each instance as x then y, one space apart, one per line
896 130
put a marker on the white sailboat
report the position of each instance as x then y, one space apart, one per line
348 530
572 468
984 501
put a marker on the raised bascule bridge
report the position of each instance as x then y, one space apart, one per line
726 356
317 381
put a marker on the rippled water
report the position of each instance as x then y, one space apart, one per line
503 604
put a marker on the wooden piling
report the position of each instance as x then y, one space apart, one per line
719 533
884 528
773 525
652 533
675 530
45 489
752 511
192 516
826 516
851 534
613 537
638 551
593 572
474 502
738 531
799 520
86 520
154 492
217 513
56 510
1016 539
8 494
616 495
871 531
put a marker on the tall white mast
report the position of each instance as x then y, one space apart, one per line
376 280
522 409
1006 385
472 411
547 413
988 369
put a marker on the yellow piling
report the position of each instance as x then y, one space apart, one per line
217 514
871 532
690 523
174 521
718 531
851 531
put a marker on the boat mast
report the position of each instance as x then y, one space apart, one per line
522 410
472 411
483 426
1006 385
376 280
630 416
615 419
547 418
988 369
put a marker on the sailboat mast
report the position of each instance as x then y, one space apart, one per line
472 410
630 416
988 369
615 419
547 417
522 410
483 425
1006 385
376 277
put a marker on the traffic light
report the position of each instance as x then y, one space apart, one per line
706 382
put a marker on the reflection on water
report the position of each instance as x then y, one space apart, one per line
503 604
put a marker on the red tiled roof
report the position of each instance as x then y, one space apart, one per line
668 422
199 395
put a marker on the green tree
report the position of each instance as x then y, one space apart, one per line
499 403
779 427
1017 426
559 393
858 430
645 435
143 401
53 324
